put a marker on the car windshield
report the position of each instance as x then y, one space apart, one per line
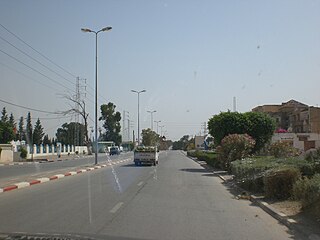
163 119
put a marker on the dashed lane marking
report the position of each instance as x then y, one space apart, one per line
116 207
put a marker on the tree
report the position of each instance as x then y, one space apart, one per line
29 130
181 144
71 133
226 123
46 140
111 123
6 129
38 133
79 108
21 132
4 116
150 138
261 127
258 125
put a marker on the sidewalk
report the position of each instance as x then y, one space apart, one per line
302 222
43 159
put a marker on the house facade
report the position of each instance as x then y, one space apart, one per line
293 116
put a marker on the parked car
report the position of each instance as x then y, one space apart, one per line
114 151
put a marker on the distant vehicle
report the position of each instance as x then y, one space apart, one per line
114 151
146 155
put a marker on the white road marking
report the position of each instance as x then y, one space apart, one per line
140 183
116 207
60 176
22 184
291 220
42 180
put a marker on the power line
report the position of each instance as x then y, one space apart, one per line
35 70
28 108
26 54
12 69
38 52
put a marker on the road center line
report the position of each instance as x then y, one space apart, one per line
140 183
116 207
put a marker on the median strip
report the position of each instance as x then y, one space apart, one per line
20 185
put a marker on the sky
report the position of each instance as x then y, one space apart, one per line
193 57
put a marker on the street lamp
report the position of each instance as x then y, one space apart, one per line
157 122
152 112
96 87
161 129
138 92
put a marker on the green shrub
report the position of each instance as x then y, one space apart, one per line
211 158
313 155
307 190
278 183
23 153
233 147
283 149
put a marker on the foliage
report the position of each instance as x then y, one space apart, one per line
278 183
21 135
38 133
211 158
23 153
29 130
233 147
6 128
182 143
249 172
4 115
150 138
313 155
307 190
111 123
283 149
71 134
258 125
46 140
226 123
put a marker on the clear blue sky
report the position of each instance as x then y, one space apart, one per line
192 57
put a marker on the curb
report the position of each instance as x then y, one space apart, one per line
20 185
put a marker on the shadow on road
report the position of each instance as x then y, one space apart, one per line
194 170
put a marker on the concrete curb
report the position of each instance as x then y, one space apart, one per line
20 185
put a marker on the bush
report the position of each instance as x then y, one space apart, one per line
313 155
278 183
233 147
307 190
283 149
211 158
23 153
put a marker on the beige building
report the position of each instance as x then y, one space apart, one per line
293 116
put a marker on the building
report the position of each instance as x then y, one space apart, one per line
293 116
199 142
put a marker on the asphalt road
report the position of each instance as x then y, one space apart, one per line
177 199
16 173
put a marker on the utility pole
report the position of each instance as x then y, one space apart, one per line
234 104
79 94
